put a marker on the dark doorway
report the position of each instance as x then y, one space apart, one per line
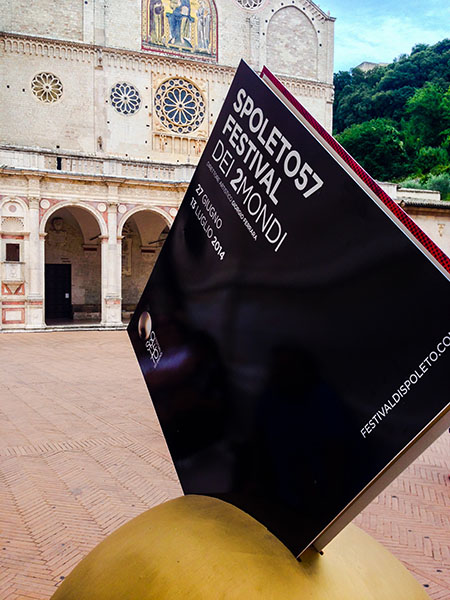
58 292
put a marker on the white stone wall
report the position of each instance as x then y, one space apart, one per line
44 18
290 28
122 22
435 223
27 121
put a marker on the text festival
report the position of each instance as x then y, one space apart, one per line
267 161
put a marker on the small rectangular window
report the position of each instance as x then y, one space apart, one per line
13 252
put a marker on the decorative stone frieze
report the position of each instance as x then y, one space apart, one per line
250 4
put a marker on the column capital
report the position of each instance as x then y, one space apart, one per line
113 192
34 186
33 202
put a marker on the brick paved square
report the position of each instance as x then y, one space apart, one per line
81 453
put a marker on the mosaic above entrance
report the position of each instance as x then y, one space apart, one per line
180 27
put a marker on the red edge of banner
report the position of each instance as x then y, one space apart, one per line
395 209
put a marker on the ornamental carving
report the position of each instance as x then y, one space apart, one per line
179 105
47 87
12 224
125 98
251 4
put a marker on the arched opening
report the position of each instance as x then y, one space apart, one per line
72 267
143 235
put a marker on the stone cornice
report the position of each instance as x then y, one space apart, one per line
317 11
105 179
95 157
15 43
310 8
434 205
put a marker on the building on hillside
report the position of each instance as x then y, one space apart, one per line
106 107
369 66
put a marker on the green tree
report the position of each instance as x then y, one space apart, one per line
445 116
384 91
391 103
431 159
441 183
378 146
424 116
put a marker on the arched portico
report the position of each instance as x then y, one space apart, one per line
69 204
72 264
143 232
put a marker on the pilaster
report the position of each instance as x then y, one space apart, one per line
112 264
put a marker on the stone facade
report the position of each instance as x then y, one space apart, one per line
430 213
427 209
95 155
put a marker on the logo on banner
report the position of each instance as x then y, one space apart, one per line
149 337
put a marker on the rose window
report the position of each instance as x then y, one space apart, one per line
47 87
250 4
179 105
125 98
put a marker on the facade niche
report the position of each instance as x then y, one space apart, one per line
292 44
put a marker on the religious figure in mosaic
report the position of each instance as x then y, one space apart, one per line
180 23
156 14
203 26
180 27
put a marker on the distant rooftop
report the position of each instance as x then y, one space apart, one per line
368 66
413 197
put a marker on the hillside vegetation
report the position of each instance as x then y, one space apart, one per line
395 120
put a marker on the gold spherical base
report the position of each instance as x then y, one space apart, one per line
200 548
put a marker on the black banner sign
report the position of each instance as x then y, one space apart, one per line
295 333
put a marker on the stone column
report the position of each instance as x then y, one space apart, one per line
104 275
35 295
254 42
111 267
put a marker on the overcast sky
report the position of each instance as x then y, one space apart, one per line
381 30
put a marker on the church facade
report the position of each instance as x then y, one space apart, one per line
107 106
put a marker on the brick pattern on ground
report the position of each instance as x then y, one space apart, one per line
81 453
412 518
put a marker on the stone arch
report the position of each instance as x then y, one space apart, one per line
290 28
67 204
143 231
14 200
124 218
13 214
72 263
